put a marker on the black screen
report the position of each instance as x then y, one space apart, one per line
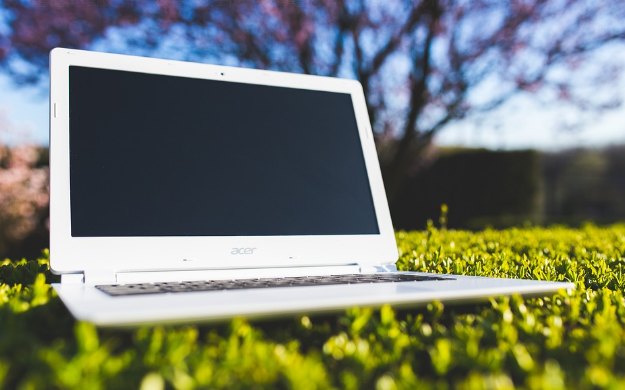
154 155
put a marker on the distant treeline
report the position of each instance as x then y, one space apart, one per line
480 188
503 188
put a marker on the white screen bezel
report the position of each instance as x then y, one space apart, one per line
76 254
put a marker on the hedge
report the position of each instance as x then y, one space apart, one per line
572 339
482 187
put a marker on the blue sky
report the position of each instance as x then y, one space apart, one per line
522 123
23 113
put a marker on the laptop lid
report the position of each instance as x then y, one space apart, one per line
168 165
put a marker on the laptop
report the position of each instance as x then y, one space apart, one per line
190 192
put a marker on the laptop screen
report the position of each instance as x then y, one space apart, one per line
156 155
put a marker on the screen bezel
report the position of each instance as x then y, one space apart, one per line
76 254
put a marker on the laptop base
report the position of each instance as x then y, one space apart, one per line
88 303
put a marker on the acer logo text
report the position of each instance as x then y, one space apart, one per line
242 251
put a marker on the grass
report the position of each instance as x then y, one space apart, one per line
568 340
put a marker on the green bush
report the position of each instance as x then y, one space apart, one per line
568 340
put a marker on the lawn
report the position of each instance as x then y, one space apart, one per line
569 340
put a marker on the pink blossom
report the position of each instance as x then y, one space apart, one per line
24 188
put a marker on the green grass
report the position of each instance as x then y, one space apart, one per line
568 340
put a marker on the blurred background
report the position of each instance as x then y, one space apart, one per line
508 112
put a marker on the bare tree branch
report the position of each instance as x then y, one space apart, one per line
393 42
419 61
418 95
344 23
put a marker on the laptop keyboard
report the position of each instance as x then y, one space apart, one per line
238 284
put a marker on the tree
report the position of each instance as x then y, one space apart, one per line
23 201
422 64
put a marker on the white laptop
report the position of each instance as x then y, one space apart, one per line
192 192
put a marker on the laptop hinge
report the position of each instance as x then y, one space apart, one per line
72 278
94 277
367 269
